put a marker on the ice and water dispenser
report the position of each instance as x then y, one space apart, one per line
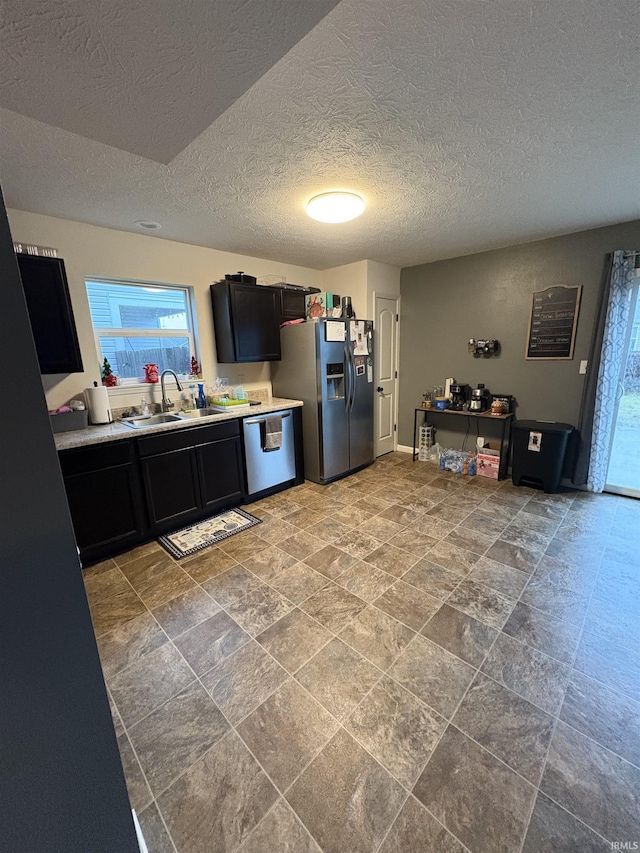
335 381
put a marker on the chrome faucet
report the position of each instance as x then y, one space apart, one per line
166 402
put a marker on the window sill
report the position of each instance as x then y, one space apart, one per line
136 387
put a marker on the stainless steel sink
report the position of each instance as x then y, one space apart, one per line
143 421
199 413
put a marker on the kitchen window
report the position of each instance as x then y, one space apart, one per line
136 323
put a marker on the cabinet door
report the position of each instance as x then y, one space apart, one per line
54 331
255 315
292 305
221 474
172 488
106 509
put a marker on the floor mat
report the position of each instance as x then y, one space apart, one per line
193 538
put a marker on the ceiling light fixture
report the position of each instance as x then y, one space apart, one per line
335 207
148 225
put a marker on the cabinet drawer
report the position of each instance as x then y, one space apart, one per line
80 460
182 438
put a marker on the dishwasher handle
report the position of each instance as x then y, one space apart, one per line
264 420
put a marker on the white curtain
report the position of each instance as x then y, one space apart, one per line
613 351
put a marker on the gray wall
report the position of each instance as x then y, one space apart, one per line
489 296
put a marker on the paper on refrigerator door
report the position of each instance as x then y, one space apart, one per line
359 337
335 331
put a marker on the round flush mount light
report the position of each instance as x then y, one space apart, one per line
335 207
148 225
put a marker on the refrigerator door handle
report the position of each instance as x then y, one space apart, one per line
347 379
352 379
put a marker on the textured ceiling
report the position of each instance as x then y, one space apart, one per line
465 124
149 76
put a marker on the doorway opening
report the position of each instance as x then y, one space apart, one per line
623 474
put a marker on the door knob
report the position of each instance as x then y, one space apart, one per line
380 389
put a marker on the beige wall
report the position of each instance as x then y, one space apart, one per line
348 280
360 281
382 279
89 250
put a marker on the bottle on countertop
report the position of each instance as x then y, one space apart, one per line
201 402
193 397
144 407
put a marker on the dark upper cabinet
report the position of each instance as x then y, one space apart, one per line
292 305
54 330
247 322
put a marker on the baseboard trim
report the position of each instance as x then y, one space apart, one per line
404 448
141 842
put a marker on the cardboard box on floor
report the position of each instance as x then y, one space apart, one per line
489 460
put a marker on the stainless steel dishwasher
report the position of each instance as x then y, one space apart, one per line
268 468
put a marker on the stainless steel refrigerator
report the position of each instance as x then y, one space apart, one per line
328 365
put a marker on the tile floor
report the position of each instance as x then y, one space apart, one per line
398 662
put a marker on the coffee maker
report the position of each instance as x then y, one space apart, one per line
479 401
458 397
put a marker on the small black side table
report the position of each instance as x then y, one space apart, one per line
505 437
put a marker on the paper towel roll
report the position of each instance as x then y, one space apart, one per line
98 403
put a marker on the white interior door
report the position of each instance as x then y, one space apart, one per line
385 373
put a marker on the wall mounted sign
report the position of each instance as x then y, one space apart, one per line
553 322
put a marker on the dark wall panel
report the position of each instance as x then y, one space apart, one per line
61 782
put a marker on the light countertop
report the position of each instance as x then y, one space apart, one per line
116 431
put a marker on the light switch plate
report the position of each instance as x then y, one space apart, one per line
583 366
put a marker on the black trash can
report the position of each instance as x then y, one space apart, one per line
539 450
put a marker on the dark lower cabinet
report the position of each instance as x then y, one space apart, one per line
221 473
129 491
105 498
171 487
188 474
182 485
126 492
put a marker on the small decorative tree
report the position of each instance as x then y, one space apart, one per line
108 377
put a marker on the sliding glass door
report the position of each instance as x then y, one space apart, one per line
623 476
